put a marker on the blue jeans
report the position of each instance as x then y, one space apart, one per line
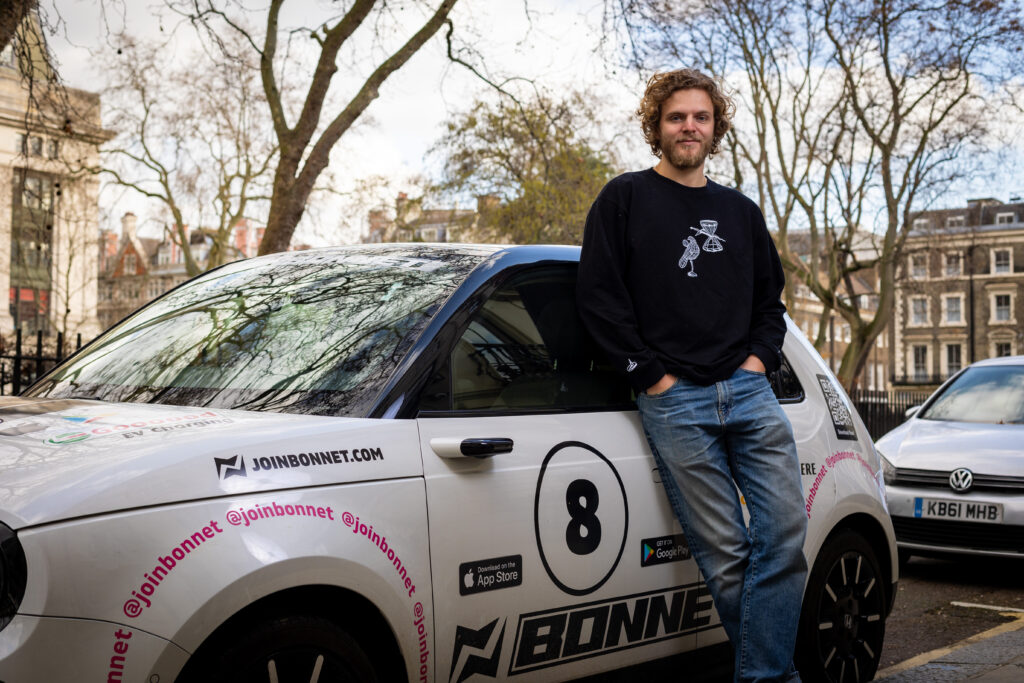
705 438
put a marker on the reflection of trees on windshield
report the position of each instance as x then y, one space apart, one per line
314 333
992 394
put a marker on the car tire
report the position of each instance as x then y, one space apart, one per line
842 622
291 649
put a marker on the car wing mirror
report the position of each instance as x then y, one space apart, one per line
911 411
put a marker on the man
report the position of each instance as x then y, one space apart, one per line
679 283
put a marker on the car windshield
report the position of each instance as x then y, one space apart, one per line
993 393
317 332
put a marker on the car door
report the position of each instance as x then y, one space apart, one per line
554 553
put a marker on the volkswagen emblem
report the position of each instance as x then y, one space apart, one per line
961 480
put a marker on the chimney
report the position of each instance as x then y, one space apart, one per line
128 226
487 202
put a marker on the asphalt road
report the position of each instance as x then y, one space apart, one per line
923 619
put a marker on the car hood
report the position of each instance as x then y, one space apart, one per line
61 459
933 445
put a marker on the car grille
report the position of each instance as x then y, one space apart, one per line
966 535
940 479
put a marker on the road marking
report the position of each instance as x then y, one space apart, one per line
1016 623
994 608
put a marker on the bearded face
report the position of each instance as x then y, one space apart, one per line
686 129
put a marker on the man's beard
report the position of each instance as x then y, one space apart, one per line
686 158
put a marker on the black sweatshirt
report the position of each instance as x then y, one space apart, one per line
679 279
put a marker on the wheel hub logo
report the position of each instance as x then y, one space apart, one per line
961 480
230 467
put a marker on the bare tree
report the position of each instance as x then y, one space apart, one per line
305 137
851 113
193 139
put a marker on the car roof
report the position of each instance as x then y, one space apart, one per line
1003 360
517 252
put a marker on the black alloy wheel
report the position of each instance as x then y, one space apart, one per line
843 619
296 649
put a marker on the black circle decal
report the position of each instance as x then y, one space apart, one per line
580 517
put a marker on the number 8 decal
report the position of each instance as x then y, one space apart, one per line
583 534
581 517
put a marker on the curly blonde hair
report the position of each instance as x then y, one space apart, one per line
661 86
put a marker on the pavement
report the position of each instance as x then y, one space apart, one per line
993 656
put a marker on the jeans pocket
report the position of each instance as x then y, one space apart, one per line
753 372
661 394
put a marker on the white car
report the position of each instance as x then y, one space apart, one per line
953 470
392 463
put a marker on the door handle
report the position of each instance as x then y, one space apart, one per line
470 448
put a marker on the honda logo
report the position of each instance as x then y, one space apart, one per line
961 480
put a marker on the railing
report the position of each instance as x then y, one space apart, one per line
883 411
21 368
915 379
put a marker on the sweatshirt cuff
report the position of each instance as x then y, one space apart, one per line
644 377
770 356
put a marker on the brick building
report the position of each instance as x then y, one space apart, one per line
135 270
958 290
413 223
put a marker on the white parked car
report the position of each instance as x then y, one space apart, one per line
955 470
401 462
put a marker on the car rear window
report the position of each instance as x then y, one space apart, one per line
318 333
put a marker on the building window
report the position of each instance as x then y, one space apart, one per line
52 147
954 264
7 55
1001 308
1005 218
918 310
30 250
1001 262
954 358
129 264
955 222
954 309
921 224
921 363
919 266
1003 349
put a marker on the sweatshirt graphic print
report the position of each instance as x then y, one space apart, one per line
679 279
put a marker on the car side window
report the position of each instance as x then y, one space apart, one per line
526 349
785 384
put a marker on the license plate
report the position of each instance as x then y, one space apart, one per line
961 510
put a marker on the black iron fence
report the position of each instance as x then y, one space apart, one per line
20 366
883 411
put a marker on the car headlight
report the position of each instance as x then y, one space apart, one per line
888 470
13 575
